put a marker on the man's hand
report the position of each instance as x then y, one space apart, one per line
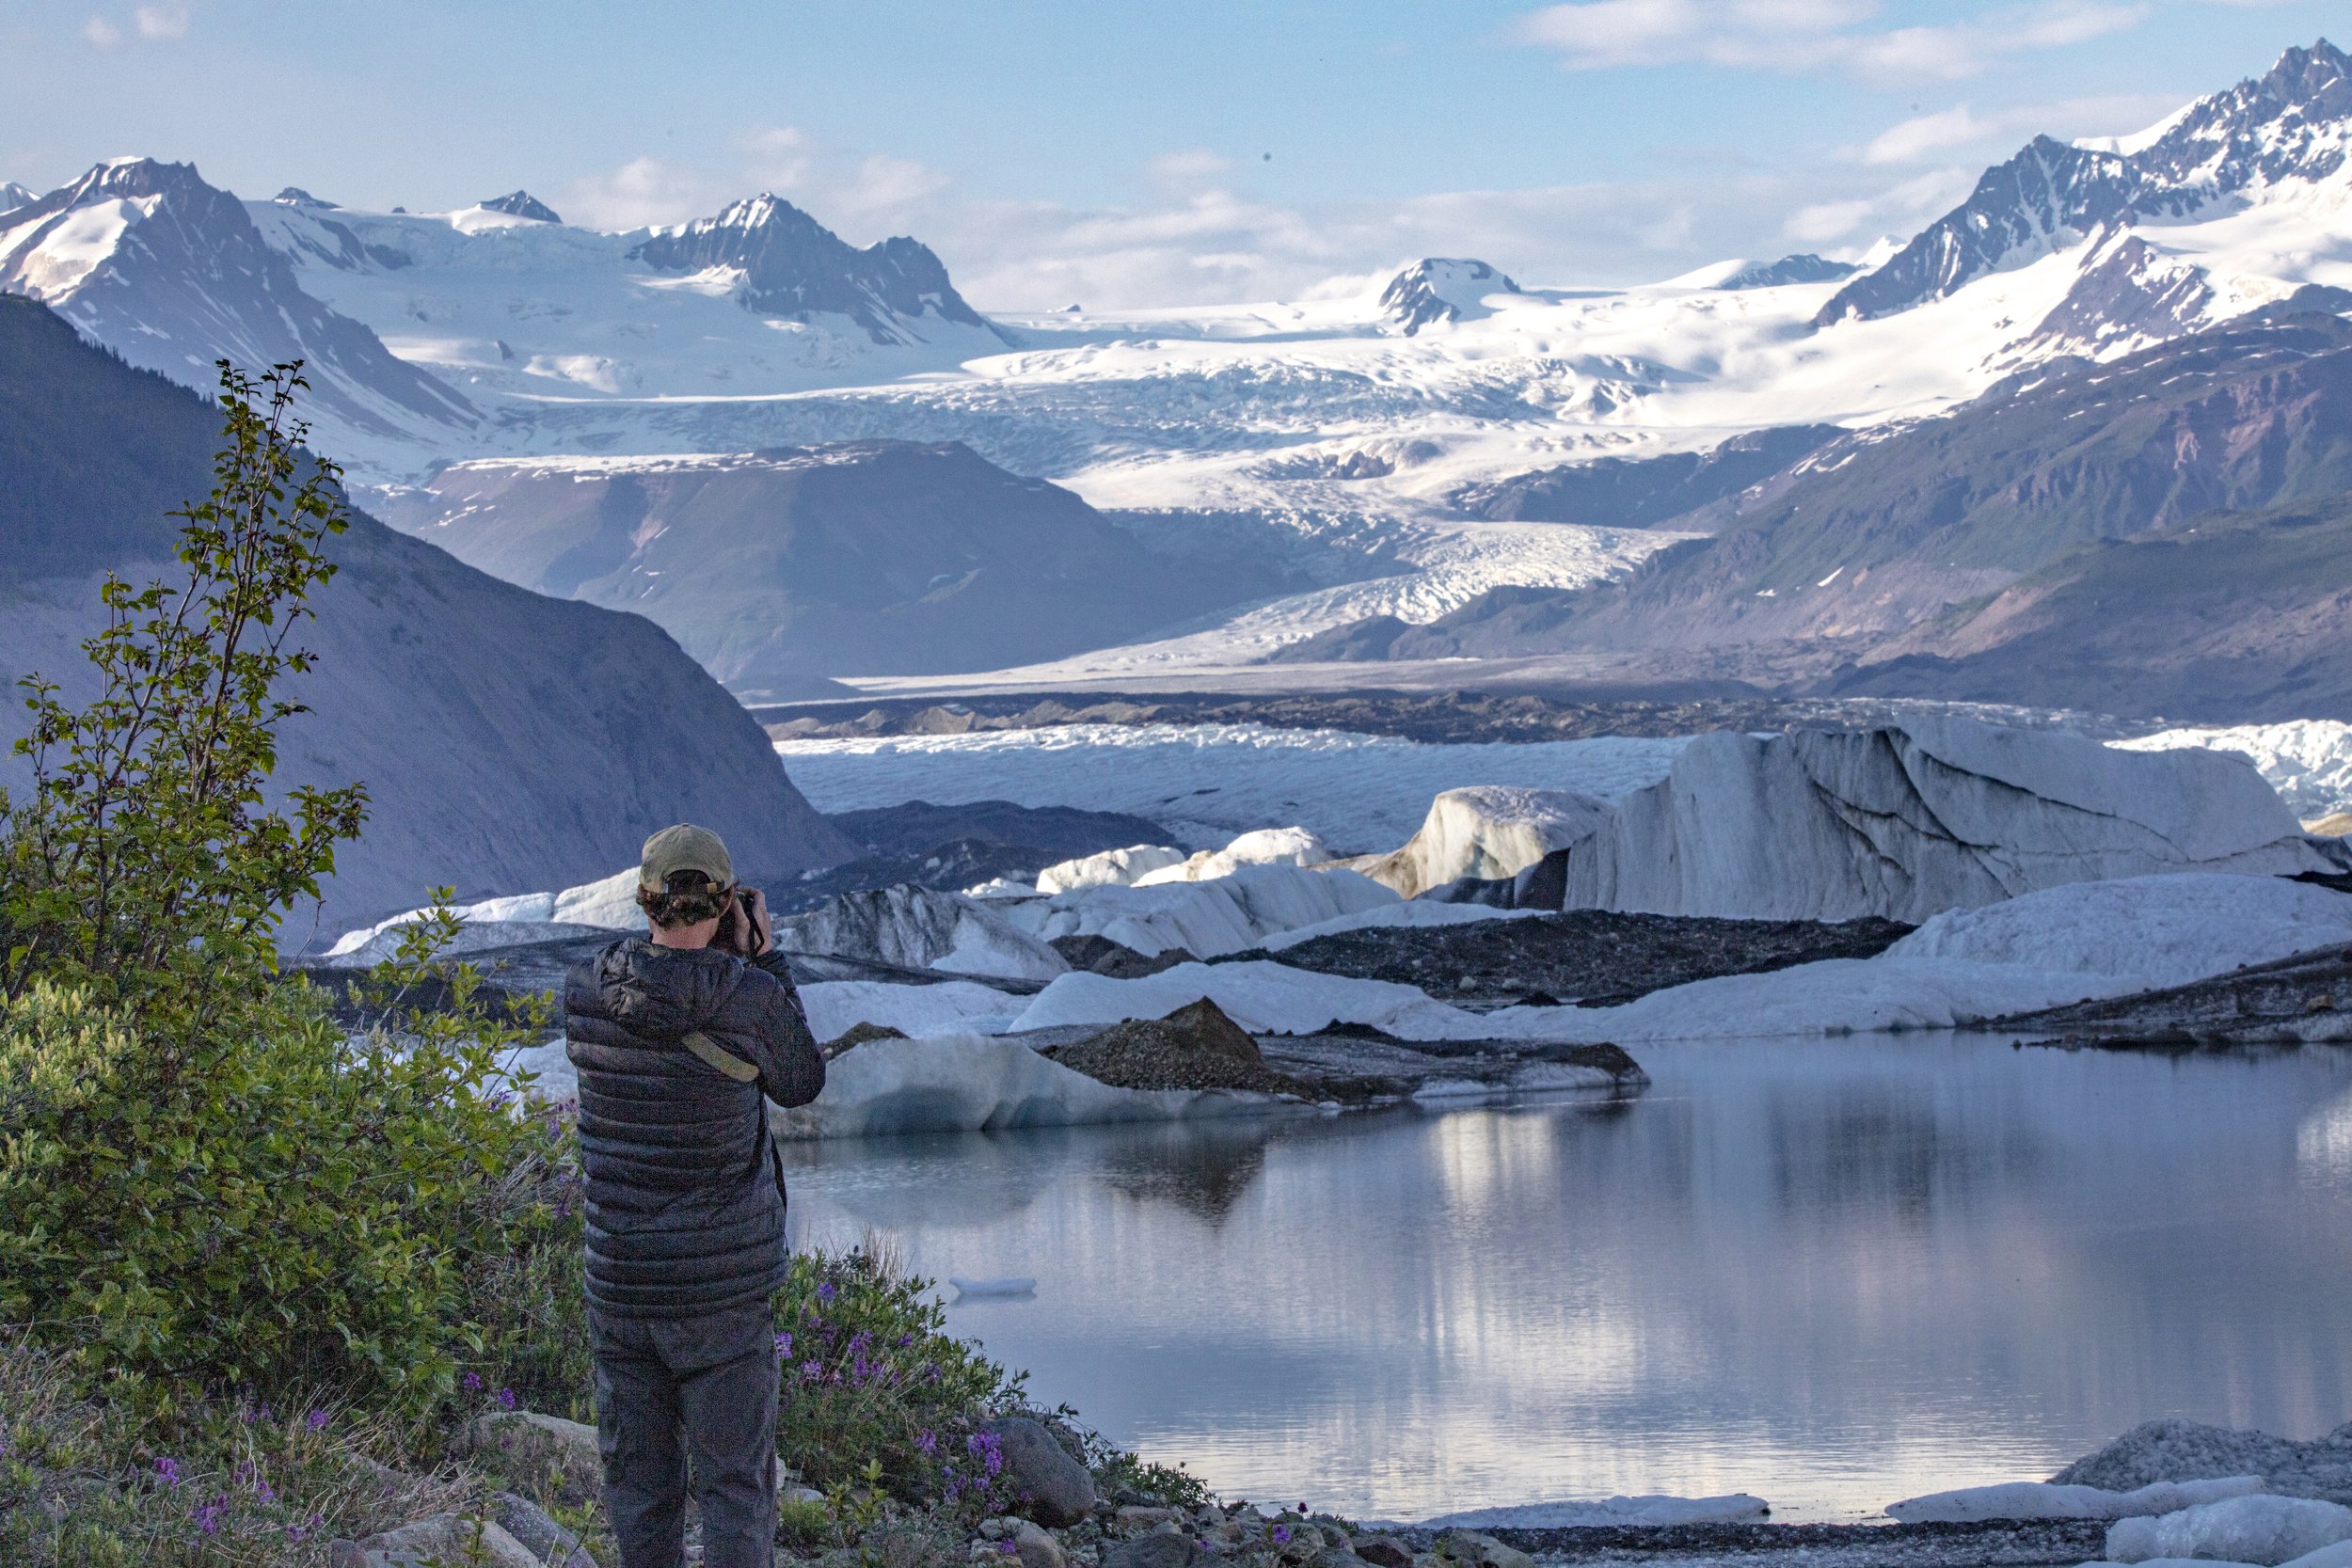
761 936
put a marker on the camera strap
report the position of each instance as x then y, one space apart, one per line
709 1049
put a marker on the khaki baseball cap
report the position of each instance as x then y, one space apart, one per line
684 848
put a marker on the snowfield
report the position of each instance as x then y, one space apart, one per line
1361 794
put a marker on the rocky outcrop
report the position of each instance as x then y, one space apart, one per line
1195 1047
1907 821
1486 831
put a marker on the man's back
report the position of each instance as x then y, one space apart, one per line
685 1210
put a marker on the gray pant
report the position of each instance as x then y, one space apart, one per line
671 1388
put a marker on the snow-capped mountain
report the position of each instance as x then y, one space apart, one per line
514 306
1440 288
787 264
13 196
147 259
2261 140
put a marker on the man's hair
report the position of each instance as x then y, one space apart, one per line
685 898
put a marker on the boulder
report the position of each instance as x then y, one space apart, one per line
548 1542
1195 1047
1383 1551
567 1450
1473 1550
1036 1549
435 1542
1153 1551
1055 1489
1905 821
1098 955
1486 833
918 928
2259 1530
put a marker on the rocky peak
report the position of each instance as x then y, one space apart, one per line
1441 288
792 265
521 204
2294 123
13 196
1802 268
294 196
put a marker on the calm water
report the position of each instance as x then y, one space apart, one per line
1829 1272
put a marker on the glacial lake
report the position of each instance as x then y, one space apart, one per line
1830 1272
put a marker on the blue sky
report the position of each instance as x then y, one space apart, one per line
1132 153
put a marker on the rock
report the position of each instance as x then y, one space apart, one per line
1382 1551
1195 1047
1906 821
1473 1550
1098 955
1485 833
917 928
1137 1517
1037 1549
858 1034
548 1542
2191 1450
2258 1529
1057 1490
443 1540
1153 1551
525 1439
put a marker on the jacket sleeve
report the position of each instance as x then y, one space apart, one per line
763 1021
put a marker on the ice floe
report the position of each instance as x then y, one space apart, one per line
2035 1499
2262 1529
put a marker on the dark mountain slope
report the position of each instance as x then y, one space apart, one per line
1642 492
865 558
2239 619
510 741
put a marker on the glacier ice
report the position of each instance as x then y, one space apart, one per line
1908 820
1651 1511
1208 919
1261 846
915 927
1487 832
2308 761
952 1007
2260 1529
2035 1499
1110 867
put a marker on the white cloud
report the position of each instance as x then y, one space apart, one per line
1944 131
639 193
101 32
1192 167
161 21
1814 35
1826 222
882 182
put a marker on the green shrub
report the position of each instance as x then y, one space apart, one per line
870 1376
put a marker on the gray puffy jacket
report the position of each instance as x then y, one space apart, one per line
685 1200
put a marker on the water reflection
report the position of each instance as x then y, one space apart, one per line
1828 1273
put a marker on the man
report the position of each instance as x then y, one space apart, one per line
681 1036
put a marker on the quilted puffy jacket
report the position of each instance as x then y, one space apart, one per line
685 1194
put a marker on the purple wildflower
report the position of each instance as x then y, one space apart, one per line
1282 1535
316 1420
208 1516
472 1382
926 1441
506 1399
825 1293
784 1347
168 1468
813 1370
1008 1547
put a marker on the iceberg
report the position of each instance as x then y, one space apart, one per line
1906 821
2035 1499
1486 831
1231 913
914 928
2261 1529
